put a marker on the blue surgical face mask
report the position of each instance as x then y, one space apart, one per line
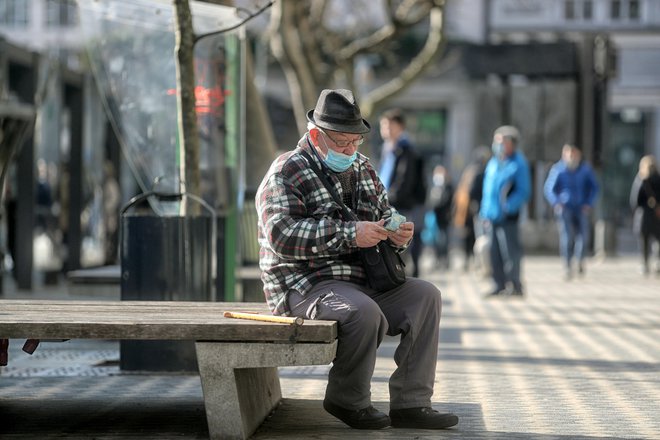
339 162
498 149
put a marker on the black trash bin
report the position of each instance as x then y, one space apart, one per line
164 258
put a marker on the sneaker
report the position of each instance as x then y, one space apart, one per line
366 418
581 268
422 418
517 294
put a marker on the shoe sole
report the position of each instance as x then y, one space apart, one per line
446 422
375 424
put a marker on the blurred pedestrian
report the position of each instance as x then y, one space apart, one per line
43 197
644 199
402 173
571 189
111 200
467 200
506 188
441 196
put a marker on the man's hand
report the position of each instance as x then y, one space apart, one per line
402 235
369 234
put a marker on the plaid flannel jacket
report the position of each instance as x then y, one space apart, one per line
302 234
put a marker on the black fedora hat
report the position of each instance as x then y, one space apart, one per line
337 110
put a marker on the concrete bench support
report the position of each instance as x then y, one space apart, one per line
240 381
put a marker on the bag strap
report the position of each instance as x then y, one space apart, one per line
324 179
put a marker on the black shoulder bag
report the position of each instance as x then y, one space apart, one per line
382 264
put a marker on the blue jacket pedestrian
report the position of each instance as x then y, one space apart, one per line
571 188
506 188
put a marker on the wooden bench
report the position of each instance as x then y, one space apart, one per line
237 358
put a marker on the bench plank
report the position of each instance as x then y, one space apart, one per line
164 320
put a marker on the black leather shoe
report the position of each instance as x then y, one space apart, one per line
366 418
422 418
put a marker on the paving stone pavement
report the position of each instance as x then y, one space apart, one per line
572 360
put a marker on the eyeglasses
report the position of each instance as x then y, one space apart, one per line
344 143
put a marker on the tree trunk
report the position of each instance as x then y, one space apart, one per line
188 135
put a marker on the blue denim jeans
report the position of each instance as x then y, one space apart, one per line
573 234
505 253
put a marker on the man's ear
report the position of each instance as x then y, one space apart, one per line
314 135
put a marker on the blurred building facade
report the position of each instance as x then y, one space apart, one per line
617 84
583 71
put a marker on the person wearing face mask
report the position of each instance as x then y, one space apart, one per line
441 197
506 188
311 269
571 189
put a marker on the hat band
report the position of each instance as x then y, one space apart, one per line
333 120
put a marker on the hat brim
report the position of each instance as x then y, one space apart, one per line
359 127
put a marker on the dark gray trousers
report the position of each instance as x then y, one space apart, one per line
364 316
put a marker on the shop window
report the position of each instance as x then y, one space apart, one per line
61 13
625 10
633 10
14 13
615 9
569 10
578 9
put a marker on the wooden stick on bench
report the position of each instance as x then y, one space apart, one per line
267 318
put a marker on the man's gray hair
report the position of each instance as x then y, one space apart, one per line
509 131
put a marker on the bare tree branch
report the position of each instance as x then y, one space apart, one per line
399 22
317 11
313 56
250 16
417 66
406 9
285 44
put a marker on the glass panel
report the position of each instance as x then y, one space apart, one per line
131 50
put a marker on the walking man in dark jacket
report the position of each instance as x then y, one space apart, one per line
402 173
